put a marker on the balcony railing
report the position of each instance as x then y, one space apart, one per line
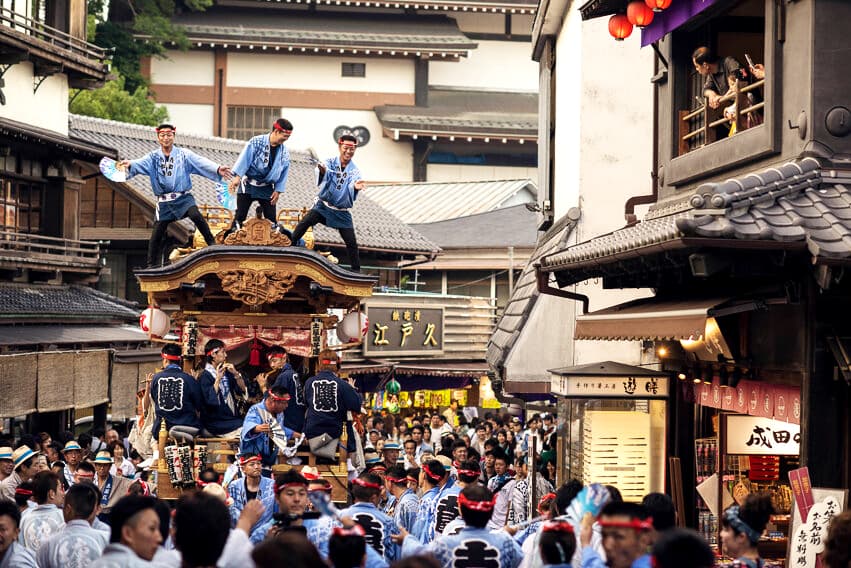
38 30
697 127
27 249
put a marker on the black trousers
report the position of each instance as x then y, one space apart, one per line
313 217
243 204
158 234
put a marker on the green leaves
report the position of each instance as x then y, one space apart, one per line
114 103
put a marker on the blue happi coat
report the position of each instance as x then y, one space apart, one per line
254 443
262 177
329 399
177 398
265 494
377 526
77 545
337 189
319 533
470 547
424 526
446 510
172 174
218 417
405 510
294 414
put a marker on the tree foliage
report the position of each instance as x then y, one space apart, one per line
112 101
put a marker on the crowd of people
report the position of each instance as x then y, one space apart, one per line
434 489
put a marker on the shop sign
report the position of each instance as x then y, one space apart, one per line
404 330
759 436
609 387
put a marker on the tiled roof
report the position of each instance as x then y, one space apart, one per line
525 294
427 202
517 228
376 228
467 112
432 34
483 6
62 303
796 203
71 334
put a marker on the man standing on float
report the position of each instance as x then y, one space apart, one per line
169 170
339 184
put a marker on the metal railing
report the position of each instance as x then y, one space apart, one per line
40 249
36 29
697 127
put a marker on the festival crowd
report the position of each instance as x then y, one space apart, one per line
425 490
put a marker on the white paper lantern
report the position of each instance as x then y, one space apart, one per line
353 326
342 336
155 322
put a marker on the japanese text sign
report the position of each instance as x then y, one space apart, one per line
609 387
400 330
757 436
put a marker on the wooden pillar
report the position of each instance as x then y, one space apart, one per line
220 104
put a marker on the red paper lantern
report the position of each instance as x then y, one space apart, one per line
639 14
657 5
620 27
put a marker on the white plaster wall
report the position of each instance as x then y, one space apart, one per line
47 108
310 72
184 68
477 22
197 119
501 65
380 160
465 172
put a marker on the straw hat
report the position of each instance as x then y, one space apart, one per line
6 453
22 454
72 445
103 458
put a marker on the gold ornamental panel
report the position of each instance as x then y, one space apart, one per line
255 288
206 268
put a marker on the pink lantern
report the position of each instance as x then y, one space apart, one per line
154 322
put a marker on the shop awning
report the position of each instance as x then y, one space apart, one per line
667 21
648 318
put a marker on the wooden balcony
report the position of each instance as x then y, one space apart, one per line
51 50
37 252
698 127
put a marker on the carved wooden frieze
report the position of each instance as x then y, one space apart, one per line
254 287
257 232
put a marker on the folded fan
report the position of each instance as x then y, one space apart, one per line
590 499
110 171
225 198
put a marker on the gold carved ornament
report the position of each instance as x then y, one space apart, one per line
255 288
257 232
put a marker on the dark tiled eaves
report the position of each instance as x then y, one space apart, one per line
798 202
52 142
364 34
63 303
376 228
477 6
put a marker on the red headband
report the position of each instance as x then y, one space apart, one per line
171 128
476 505
202 484
244 460
145 489
431 474
545 501
365 483
279 488
469 472
273 396
213 351
328 361
411 478
557 526
637 524
20 491
277 355
347 143
356 530
280 128
397 479
171 357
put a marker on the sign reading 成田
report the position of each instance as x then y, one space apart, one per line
400 330
756 436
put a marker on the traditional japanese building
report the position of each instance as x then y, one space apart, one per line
420 84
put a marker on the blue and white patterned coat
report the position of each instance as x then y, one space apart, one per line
18 556
319 533
76 546
405 511
424 527
447 507
254 443
265 494
39 524
253 163
377 526
470 547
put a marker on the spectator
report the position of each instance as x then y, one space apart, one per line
742 527
681 548
73 454
201 527
47 517
135 534
23 469
662 511
347 548
837 547
24 496
12 554
626 529
6 463
716 71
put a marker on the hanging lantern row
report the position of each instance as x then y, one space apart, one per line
638 13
